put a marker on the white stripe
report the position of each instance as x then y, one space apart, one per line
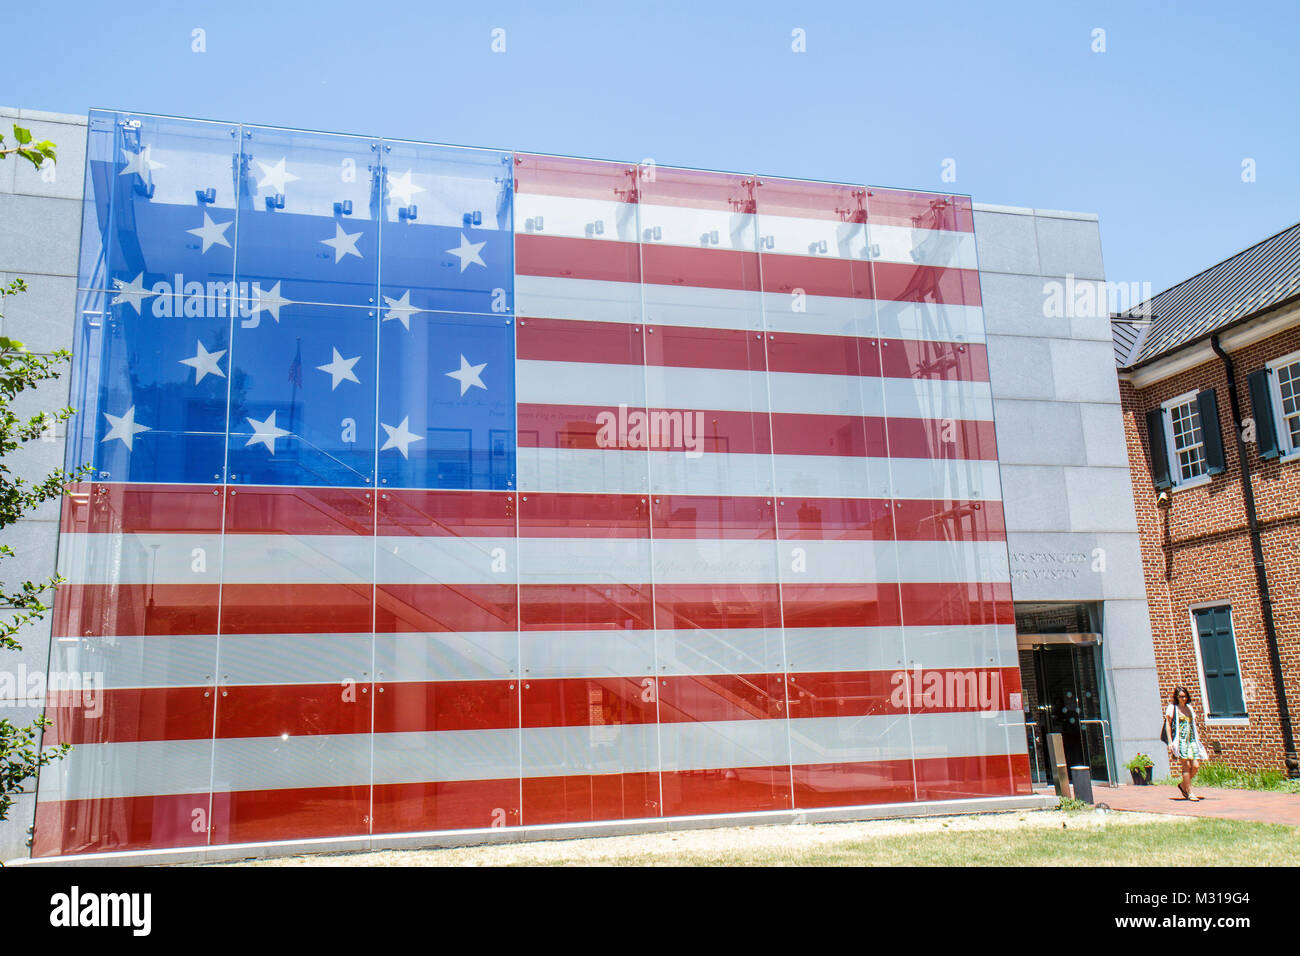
926 247
608 386
466 655
410 559
611 471
697 228
160 660
596 300
190 661
109 771
575 217
418 757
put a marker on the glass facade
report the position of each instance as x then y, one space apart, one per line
441 488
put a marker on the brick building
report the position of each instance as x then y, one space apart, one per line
1210 386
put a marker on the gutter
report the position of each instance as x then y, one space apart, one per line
1261 572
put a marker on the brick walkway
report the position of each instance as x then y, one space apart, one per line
1256 805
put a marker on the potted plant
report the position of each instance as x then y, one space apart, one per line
1140 767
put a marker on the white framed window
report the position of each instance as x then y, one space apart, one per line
1185 438
1284 383
1217 664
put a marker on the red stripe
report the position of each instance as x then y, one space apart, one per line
956 777
251 816
612 606
915 210
700 268
941 439
617 343
697 189
936 691
568 340
848 436
686 517
562 515
929 360
300 511
563 257
459 514
295 710
844 784
721 697
419 608
120 823
110 715
98 610
901 282
588 702
584 797
726 790
285 608
957 604
717 605
124 509
634 429
816 275
840 605
445 805
577 178
837 202
868 519
423 706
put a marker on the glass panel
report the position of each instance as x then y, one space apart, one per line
447 230
849 696
308 219
302 399
447 402
446 745
580 379
131 671
828 430
587 651
722 695
172 198
954 579
708 429
292 752
576 253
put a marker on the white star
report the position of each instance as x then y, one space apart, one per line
140 162
468 375
275 177
401 188
212 233
467 253
343 243
131 292
270 300
204 363
265 432
399 437
401 309
341 370
124 427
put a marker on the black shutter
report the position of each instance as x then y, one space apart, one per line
1159 455
1261 401
1208 406
1219 660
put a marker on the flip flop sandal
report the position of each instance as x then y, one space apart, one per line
1186 795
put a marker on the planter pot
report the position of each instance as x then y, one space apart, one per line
1142 778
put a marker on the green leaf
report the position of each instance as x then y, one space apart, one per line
22 135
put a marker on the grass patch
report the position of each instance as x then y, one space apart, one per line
1195 842
1230 778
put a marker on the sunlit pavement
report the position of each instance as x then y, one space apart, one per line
1259 806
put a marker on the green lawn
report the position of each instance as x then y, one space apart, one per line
1030 838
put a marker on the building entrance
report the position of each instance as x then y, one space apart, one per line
1061 672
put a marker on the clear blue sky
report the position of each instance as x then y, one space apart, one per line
1150 134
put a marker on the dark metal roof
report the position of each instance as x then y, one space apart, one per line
1252 281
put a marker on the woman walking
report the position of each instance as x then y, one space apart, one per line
1184 741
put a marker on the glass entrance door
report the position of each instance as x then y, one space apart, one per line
1064 697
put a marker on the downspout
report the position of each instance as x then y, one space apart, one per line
1261 573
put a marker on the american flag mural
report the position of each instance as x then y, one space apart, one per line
445 488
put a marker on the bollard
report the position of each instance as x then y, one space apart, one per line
1081 778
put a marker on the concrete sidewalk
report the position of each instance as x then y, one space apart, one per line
1259 806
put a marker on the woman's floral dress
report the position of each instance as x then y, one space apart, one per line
1185 743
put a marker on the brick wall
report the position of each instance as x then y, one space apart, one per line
1198 550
